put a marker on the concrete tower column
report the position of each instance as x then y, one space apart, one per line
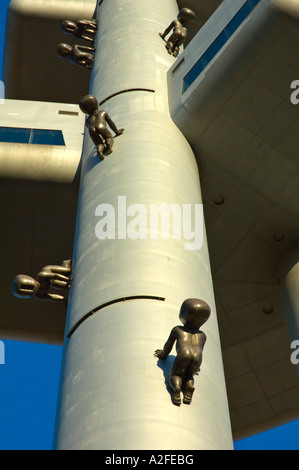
128 280
289 288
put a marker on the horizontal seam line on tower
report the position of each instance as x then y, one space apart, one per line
110 302
125 91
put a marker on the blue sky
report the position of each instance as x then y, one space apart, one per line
29 386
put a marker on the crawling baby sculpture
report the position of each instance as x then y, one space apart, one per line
97 125
85 29
190 341
51 276
179 31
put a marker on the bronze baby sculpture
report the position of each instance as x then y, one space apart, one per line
85 29
77 54
96 124
51 276
180 31
190 341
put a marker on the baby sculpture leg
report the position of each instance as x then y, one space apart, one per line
175 383
176 377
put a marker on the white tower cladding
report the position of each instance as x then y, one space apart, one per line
130 272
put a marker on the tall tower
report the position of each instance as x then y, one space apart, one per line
230 97
128 284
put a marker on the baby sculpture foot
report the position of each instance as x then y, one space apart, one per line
176 399
188 396
100 152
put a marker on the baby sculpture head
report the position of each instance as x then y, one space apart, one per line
194 313
64 50
88 104
185 16
24 287
68 27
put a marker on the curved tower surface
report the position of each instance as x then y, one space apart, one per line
140 250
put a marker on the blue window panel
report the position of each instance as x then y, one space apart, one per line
31 136
17 135
218 43
46 137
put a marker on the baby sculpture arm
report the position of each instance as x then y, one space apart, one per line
86 48
163 353
49 296
58 275
112 125
167 30
87 28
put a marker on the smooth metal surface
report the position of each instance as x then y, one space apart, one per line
113 395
